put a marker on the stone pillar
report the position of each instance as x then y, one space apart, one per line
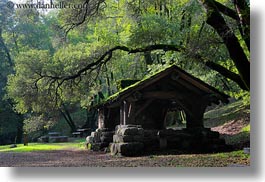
100 139
194 121
194 115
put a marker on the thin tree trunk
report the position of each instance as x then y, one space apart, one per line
2 44
243 12
65 113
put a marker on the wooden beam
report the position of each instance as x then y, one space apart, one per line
187 86
143 107
160 94
170 95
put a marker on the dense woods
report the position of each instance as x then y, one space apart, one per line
59 62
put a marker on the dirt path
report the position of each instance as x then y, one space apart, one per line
68 158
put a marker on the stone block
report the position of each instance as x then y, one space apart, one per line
138 138
103 130
171 133
130 149
113 148
93 134
150 133
130 131
123 139
90 139
127 138
127 126
99 146
107 133
96 136
106 139
163 143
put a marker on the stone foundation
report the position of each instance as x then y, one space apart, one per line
193 140
151 140
133 140
128 140
100 139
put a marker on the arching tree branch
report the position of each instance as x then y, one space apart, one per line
106 57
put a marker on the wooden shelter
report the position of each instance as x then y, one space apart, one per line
147 102
133 120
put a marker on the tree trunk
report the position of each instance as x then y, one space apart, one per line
65 113
221 70
243 12
20 128
215 19
3 46
227 74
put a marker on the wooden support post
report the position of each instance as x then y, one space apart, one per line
121 114
101 118
125 112
131 113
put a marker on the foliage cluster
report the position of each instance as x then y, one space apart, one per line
52 65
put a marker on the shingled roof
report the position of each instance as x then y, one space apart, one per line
180 74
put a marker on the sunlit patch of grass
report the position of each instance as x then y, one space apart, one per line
234 154
224 110
246 128
43 147
224 114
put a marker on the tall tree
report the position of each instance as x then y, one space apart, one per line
216 20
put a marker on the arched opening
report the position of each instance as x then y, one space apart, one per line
175 119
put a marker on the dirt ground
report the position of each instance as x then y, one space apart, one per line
83 158
233 127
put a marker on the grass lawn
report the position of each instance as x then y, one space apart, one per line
223 159
232 122
75 145
223 114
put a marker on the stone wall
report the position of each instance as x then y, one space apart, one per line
100 139
133 140
192 140
128 140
